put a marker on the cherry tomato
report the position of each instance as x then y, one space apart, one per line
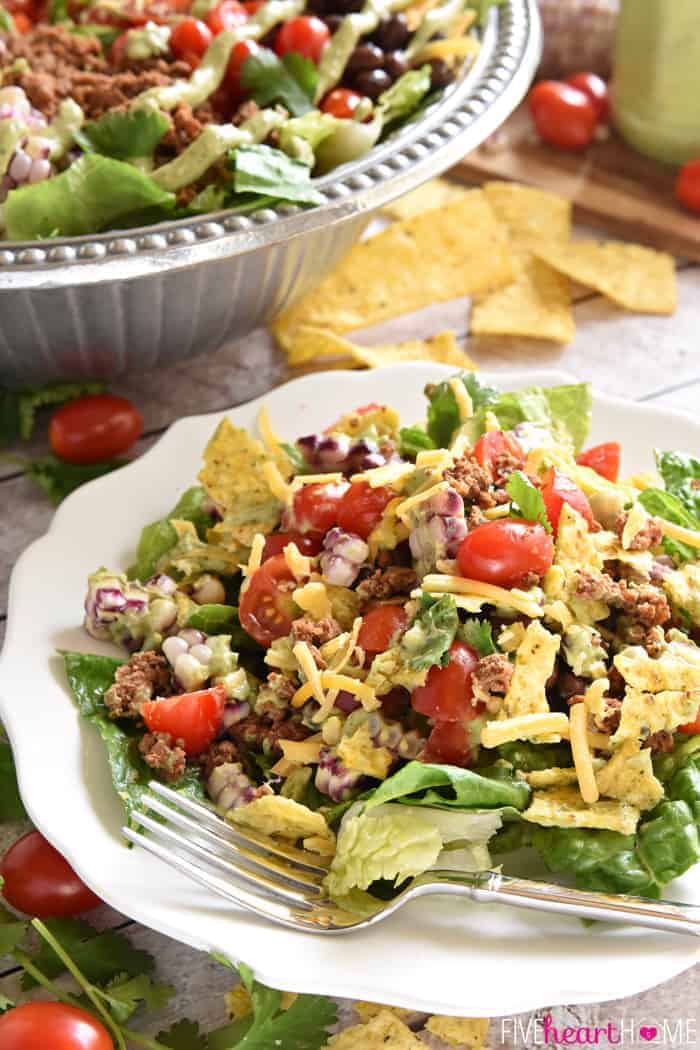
266 608
252 6
447 693
450 743
688 185
226 15
117 52
190 37
691 728
36 1026
504 552
39 881
379 627
361 508
557 490
242 51
494 444
310 543
94 428
341 103
562 114
22 23
194 718
306 34
604 459
595 88
315 507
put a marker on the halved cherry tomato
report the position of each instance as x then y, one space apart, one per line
243 50
447 693
117 52
691 728
306 34
194 718
226 15
315 507
596 89
557 490
603 459
688 185
341 102
310 543
190 37
93 428
37 1026
562 114
380 626
266 608
39 881
22 23
361 508
494 444
504 552
450 743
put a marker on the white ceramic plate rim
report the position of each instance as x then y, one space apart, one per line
255 943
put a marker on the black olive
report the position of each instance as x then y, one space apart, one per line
396 65
372 82
365 56
392 33
440 74
333 22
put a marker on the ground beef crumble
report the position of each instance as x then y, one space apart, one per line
143 677
642 603
492 677
474 483
610 721
315 632
386 583
260 733
648 536
219 754
165 754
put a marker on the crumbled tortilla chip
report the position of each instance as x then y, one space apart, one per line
383 1032
233 462
277 815
459 249
366 1011
636 278
528 212
432 194
460 1031
537 304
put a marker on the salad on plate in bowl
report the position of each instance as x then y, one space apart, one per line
419 646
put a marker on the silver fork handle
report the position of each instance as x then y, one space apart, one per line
492 887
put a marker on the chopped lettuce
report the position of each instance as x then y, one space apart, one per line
270 172
291 80
6 23
222 620
131 133
681 474
427 641
529 757
403 97
160 536
443 410
300 136
18 408
452 787
478 634
414 440
668 842
526 499
95 193
665 505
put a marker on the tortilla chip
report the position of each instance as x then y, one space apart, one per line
440 255
528 212
232 473
383 1032
460 1031
537 304
366 1011
636 278
311 343
432 194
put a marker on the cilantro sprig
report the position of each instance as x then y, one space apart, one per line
291 80
526 499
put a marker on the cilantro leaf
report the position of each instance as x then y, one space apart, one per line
526 499
123 995
413 441
18 407
132 133
58 478
270 172
427 641
443 410
185 1035
478 634
291 80
99 956
304 1026
681 474
11 807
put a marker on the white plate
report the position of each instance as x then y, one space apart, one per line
435 955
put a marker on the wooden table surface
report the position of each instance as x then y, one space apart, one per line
650 359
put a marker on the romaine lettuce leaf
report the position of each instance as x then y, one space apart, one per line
665 505
6 23
223 619
427 641
158 537
413 441
443 411
530 757
270 172
402 98
564 408
124 134
668 843
95 193
621 873
451 787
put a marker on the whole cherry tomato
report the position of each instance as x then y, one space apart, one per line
447 693
597 91
604 459
361 508
39 881
307 35
688 185
341 102
558 489
494 444
505 552
562 114
315 507
451 743
266 608
194 718
380 626
242 51
93 428
40 1026
190 38
226 15
310 543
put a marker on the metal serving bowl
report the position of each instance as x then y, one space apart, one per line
98 306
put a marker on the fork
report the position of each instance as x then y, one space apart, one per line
286 885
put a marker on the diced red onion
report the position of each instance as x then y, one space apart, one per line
333 778
235 711
346 702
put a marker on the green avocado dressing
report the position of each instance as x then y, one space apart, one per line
11 134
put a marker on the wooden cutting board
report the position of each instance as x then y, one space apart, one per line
612 188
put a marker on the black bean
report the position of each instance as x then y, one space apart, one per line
440 74
372 82
316 7
365 56
396 65
392 33
346 7
333 22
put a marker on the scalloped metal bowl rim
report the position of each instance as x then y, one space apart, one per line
388 171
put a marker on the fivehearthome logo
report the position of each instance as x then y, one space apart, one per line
681 1033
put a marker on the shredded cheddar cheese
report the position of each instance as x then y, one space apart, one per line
514 598
465 405
298 564
256 553
583 759
302 752
524 727
390 474
678 532
316 479
407 505
278 486
306 662
313 599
